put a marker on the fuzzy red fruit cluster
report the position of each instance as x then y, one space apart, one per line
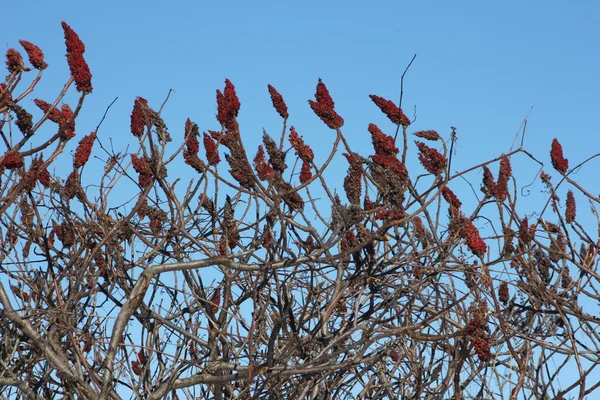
12 160
139 116
392 111
431 159
84 150
228 106
571 211
324 107
80 71
14 61
278 102
559 162
35 54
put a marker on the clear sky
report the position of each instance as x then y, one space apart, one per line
480 66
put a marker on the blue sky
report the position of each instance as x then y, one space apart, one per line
480 66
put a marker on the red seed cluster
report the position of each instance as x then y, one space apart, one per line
264 171
324 107
191 136
383 144
141 165
42 174
498 190
571 212
84 149
559 162
501 190
302 150
72 187
12 160
385 153
428 135
451 198
526 232
348 241
470 234
503 295
276 156
228 106
215 302
478 330
240 168
353 179
305 172
392 111
80 71
14 61
278 102
36 57
24 120
54 114
194 161
431 159
211 149
139 116
68 129
61 117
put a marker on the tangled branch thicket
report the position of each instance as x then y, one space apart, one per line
247 285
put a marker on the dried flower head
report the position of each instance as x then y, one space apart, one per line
324 107
53 113
42 174
141 165
328 115
84 149
526 232
431 159
66 124
451 198
571 212
559 162
24 119
278 102
36 57
191 137
72 186
393 112
228 106
211 149
305 172
501 188
498 190
139 116
276 156
80 71
382 143
472 237
302 150
503 295
240 168
428 135
14 61
353 179
263 170
478 330
12 160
